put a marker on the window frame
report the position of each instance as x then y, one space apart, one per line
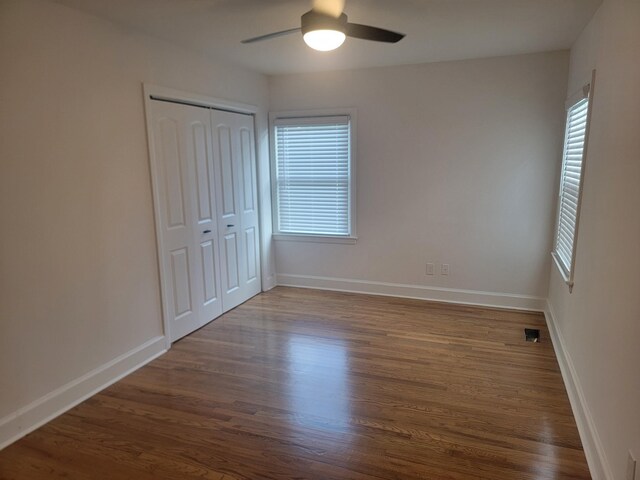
294 115
586 92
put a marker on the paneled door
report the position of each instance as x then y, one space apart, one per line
234 156
186 215
205 196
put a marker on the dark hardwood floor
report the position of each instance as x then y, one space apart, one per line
306 384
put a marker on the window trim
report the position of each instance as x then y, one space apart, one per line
277 117
586 92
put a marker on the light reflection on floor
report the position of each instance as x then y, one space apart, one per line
318 389
546 470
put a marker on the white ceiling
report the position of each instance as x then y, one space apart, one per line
437 30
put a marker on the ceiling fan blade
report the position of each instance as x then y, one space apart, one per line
271 35
333 8
376 34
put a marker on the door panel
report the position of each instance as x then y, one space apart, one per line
186 213
181 284
169 157
250 242
231 257
227 184
202 159
209 272
229 226
204 180
204 221
234 148
250 219
246 149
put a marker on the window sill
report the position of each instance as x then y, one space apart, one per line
314 238
565 276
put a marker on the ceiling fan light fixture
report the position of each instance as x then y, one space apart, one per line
324 40
325 32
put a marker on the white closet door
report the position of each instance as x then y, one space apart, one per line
234 154
250 278
186 215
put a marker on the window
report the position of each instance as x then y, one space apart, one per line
313 175
571 179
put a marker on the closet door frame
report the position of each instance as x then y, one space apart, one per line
153 92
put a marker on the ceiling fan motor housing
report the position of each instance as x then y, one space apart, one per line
312 21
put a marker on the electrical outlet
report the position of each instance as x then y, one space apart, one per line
430 269
631 468
444 269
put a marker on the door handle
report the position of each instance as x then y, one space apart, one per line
206 231
229 225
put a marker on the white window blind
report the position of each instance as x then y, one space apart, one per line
570 182
313 168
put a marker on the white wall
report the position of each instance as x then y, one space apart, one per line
599 322
79 279
456 164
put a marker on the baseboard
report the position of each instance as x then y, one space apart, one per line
25 420
268 283
593 450
438 294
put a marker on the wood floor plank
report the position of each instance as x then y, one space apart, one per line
307 384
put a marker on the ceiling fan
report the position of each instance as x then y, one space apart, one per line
325 28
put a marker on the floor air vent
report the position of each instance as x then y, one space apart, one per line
532 335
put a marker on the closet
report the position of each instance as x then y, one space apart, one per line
205 198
